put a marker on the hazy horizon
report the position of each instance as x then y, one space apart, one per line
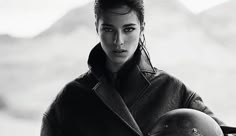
25 19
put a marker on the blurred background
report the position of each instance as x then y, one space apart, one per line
45 44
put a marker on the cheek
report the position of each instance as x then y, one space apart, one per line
106 42
133 38
106 38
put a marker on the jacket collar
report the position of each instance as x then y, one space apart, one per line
115 103
97 58
120 105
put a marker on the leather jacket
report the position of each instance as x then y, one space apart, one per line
95 105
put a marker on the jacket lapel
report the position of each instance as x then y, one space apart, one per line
113 100
110 97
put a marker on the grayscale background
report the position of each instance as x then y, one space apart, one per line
199 48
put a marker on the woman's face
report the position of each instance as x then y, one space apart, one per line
119 34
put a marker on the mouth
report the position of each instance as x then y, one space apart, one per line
119 51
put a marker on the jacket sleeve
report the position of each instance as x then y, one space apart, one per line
194 101
50 123
197 103
53 122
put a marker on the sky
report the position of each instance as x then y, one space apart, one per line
197 6
27 18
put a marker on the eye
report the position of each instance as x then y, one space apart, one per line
106 29
129 29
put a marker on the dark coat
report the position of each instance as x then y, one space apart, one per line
92 105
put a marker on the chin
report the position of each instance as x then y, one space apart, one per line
119 61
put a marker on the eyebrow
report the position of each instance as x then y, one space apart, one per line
131 24
126 25
107 25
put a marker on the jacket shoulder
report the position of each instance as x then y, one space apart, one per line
87 80
74 94
163 76
172 84
79 87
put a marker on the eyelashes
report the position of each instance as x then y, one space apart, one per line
129 29
105 29
126 30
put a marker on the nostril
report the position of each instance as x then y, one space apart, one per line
118 39
118 42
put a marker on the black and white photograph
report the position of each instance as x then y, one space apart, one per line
118 67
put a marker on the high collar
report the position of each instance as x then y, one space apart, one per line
133 84
132 78
97 59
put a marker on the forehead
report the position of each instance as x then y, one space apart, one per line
119 16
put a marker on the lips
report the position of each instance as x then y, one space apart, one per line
119 51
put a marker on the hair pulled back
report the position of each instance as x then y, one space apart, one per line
101 6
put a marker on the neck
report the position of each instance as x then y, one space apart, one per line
113 67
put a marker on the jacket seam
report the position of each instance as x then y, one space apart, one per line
189 99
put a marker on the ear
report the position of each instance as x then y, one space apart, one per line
142 28
96 26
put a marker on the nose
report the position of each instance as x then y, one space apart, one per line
118 39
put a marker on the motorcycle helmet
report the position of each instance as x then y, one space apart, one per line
186 122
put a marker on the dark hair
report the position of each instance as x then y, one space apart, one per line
102 5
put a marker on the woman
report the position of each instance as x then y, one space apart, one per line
122 94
